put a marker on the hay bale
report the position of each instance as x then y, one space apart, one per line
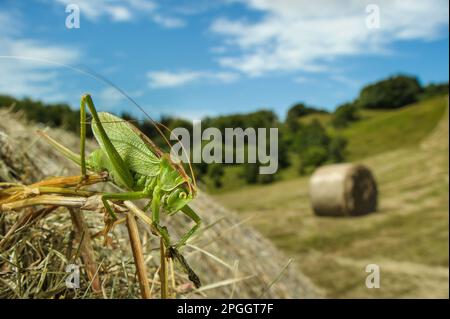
343 190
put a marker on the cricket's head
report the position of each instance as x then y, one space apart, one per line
177 185
177 199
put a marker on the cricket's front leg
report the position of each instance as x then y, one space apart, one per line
155 207
191 214
174 253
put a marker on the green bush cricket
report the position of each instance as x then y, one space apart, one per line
136 164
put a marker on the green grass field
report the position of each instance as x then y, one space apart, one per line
376 132
381 131
407 150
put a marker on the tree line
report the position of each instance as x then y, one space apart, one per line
306 144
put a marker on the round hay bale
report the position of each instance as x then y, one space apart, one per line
343 190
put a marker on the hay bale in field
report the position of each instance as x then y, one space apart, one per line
343 190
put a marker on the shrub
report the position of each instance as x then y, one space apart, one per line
316 147
250 172
309 135
312 158
266 178
433 89
344 115
393 92
336 149
299 110
261 118
215 172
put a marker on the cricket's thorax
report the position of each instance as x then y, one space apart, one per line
143 182
171 199
167 188
143 169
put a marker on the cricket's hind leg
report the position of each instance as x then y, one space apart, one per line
121 170
120 196
113 220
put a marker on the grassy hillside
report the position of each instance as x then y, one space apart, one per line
381 131
376 132
407 237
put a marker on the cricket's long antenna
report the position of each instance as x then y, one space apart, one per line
91 73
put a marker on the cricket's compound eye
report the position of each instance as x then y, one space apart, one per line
177 200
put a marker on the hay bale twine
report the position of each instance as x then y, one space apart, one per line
343 190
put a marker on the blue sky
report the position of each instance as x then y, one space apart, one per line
198 58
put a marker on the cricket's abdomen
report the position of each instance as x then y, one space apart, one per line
98 162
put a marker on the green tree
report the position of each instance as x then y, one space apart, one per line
250 172
215 172
266 178
344 114
312 134
434 89
315 147
311 158
336 149
296 111
392 92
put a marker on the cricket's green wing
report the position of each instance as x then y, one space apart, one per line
135 153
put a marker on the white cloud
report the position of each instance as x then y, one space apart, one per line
167 79
339 78
163 79
124 11
218 49
308 35
302 79
109 98
10 24
93 10
168 22
145 5
39 50
119 13
32 76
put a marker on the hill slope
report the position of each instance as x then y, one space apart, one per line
379 131
407 237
